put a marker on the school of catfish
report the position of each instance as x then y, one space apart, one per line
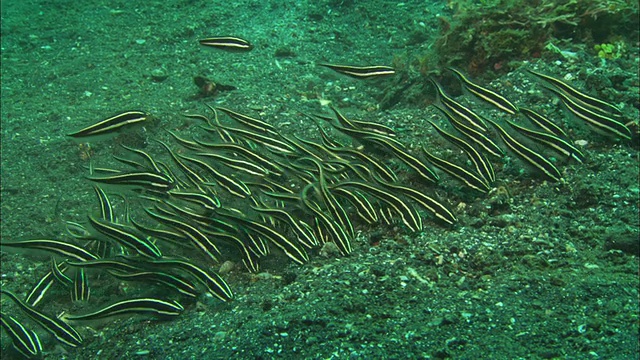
241 189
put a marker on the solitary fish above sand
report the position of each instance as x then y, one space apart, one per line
361 72
229 43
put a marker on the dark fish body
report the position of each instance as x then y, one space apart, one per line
580 97
229 43
599 121
111 125
458 172
56 327
147 180
543 122
531 157
24 340
55 247
133 306
361 72
486 95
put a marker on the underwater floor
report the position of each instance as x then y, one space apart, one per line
533 268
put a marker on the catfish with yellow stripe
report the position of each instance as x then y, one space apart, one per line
544 123
171 280
482 164
407 213
457 109
111 125
478 137
596 119
485 94
583 99
137 179
433 205
215 285
290 247
58 328
470 179
25 341
229 43
361 72
324 220
556 143
530 156
56 247
125 236
151 306
191 233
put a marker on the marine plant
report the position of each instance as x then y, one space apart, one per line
487 35
609 51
